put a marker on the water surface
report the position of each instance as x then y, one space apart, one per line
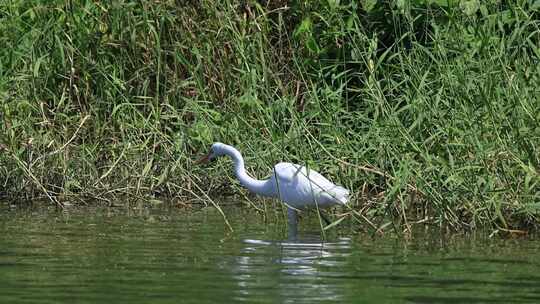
130 255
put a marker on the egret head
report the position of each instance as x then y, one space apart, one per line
216 150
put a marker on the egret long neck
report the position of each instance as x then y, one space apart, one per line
261 187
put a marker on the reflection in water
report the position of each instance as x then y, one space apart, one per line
294 271
174 257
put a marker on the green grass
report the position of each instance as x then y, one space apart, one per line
429 111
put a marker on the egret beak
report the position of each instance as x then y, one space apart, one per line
205 159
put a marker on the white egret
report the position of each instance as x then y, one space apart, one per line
295 185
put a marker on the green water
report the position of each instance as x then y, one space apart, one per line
176 256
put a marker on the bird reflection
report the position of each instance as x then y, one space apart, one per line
296 270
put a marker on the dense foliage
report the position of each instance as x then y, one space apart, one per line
428 110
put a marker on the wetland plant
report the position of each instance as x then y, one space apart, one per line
428 111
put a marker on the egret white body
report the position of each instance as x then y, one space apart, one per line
295 185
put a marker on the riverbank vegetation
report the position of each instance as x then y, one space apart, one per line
429 111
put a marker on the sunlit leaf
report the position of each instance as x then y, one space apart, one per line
470 7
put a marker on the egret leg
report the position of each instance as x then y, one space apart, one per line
292 223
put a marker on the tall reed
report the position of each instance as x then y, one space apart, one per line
428 110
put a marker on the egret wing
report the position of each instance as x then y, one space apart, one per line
301 187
